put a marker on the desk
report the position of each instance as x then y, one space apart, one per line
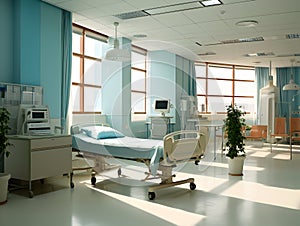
39 157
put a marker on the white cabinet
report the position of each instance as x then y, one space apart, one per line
159 126
39 157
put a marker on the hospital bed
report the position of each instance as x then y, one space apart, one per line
99 142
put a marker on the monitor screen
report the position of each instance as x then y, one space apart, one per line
161 104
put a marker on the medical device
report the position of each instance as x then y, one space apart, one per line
188 111
37 114
267 111
162 106
33 120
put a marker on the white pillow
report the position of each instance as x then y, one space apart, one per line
101 132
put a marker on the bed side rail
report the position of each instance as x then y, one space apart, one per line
183 145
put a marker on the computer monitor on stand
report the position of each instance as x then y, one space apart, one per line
162 106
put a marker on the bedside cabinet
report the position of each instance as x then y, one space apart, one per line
38 157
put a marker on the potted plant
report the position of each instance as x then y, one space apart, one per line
235 146
4 143
248 130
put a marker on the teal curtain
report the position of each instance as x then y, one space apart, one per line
283 76
185 69
261 78
67 65
193 82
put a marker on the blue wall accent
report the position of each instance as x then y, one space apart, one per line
6 44
51 58
162 79
31 52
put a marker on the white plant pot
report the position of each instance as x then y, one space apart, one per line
236 166
4 177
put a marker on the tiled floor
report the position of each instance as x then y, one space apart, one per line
267 194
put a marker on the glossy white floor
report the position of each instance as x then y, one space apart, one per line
267 194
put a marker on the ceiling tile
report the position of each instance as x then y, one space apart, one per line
204 25
74 6
173 19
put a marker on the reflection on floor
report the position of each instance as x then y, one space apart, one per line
267 194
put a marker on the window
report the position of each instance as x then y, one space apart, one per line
219 85
138 80
86 70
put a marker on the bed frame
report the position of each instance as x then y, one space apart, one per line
179 146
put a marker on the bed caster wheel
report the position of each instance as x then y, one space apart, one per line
30 194
151 195
192 186
93 180
72 185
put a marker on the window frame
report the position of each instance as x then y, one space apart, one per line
206 78
141 51
85 32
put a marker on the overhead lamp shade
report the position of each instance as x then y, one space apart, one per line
117 54
291 86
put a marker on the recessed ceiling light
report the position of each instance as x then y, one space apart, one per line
206 3
246 23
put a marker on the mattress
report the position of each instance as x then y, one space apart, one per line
122 147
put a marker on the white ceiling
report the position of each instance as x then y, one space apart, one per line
178 32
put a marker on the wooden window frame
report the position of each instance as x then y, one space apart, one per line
233 80
84 32
143 52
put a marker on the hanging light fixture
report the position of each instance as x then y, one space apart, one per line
291 85
117 54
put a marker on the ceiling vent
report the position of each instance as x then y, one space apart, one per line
292 36
262 54
131 15
234 41
289 55
179 7
207 54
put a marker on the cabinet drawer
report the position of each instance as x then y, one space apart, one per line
50 143
49 163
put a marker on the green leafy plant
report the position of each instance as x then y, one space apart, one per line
248 127
4 128
233 128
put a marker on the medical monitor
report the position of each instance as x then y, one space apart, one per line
162 106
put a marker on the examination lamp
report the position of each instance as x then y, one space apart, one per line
117 54
291 85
